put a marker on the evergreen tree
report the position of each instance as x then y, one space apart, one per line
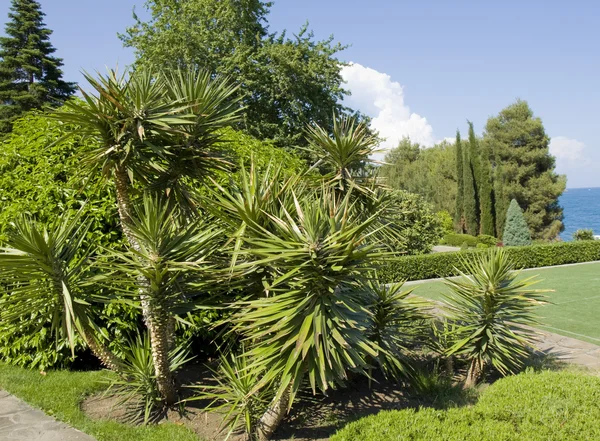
460 195
469 195
475 166
486 193
516 231
30 76
524 169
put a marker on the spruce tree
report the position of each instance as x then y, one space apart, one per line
30 76
459 211
486 193
524 169
469 195
516 231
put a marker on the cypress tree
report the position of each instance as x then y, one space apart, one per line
486 196
475 165
469 195
30 76
516 231
459 212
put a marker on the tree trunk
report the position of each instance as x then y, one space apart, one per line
106 357
155 319
157 326
268 423
473 374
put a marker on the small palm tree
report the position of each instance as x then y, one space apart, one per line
158 132
45 274
491 308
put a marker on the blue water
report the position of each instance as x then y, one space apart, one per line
581 210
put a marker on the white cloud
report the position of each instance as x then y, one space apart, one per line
566 149
375 94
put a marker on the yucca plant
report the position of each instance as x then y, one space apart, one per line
399 325
46 278
157 132
174 256
345 151
492 309
136 388
311 322
235 395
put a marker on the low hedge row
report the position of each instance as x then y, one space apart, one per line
550 406
431 266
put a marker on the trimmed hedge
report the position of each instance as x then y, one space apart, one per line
431 266
550 406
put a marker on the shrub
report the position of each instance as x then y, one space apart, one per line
456 240
430 266
549 406
516 231
484 239
583 235
481 245
446 221
420 229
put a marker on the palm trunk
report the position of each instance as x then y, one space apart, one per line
106 357
268 423
156 324
473 374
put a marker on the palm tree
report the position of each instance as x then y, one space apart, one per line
45 273
155 132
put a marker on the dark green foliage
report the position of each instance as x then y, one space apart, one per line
524 170
30 76
420 229
459 211
548 406
285 82
429 172
583 235
486 195
430 266
470 202
516 232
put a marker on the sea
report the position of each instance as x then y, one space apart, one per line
581 210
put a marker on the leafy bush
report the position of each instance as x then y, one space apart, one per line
420 229
484 239
456 240
548 406
516 231
430 266
446 221
583 235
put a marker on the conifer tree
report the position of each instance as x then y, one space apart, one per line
475 165
486 193
524 170
30 76
459 212
469 195
516 231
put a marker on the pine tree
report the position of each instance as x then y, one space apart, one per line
459 212
30 76
486 193
469 195
524 170
516 231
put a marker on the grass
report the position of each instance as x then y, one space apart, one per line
59 393
574 305
548 406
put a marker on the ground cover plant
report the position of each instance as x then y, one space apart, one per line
548 406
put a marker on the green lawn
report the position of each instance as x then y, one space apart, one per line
574 309
59 393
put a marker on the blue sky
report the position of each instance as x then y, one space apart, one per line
421 68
